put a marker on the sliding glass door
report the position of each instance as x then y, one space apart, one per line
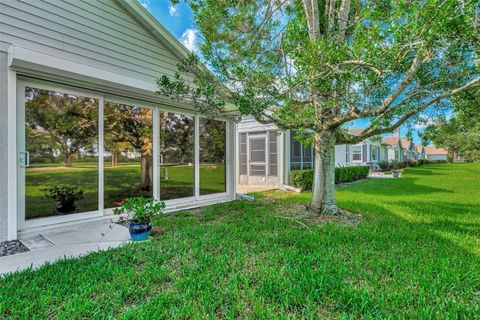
128 155
213 143
60 154
177 161
81 153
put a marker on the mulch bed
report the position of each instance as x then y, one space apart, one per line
12 247
299 212
343 217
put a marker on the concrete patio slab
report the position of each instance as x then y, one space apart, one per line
68 241
250 189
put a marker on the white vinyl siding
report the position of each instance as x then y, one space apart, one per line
91 32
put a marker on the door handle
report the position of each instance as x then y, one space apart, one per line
24 159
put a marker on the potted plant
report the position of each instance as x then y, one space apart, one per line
66 197
138 212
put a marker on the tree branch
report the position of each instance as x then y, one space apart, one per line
349 138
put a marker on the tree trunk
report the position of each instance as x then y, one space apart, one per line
69 159
323 189
114 159
146 173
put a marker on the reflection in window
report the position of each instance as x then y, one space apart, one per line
301 155
61 136
128 152
213 137
177 174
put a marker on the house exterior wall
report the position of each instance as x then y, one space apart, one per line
95 33
384 153
341 157
108 46
437 157
3 143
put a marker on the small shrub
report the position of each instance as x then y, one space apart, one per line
394 165
402 165
65 196
384 165
303 179
422 162
412 163
438 161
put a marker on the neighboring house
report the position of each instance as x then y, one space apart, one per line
266 156
369 151
434 154
394 148
420 151
101 59
400 149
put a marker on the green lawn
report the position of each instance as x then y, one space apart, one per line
416 254
120 182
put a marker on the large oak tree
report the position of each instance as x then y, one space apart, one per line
327 63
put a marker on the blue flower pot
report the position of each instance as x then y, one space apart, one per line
140 230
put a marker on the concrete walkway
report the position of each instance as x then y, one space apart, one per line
73 240
250 189
380 175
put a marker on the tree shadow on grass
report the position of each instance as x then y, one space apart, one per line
392 187
447 217
423 172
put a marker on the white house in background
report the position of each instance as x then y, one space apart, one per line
266 156
400 149
436 153
420 151
101 58
368 152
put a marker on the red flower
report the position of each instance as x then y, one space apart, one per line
116 204
123 200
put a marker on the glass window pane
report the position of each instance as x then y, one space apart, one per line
177 165
213 139
61 136
128 157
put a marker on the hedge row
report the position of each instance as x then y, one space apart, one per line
303 179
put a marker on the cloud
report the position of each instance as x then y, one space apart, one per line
173 11
145 4
189 39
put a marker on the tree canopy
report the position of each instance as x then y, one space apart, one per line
459 133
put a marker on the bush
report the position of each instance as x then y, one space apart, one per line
394 165
438 161
303 179
385 165
402 165
422 162
412 163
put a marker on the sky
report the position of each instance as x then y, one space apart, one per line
178 19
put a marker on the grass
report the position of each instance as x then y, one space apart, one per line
415 255
122 181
